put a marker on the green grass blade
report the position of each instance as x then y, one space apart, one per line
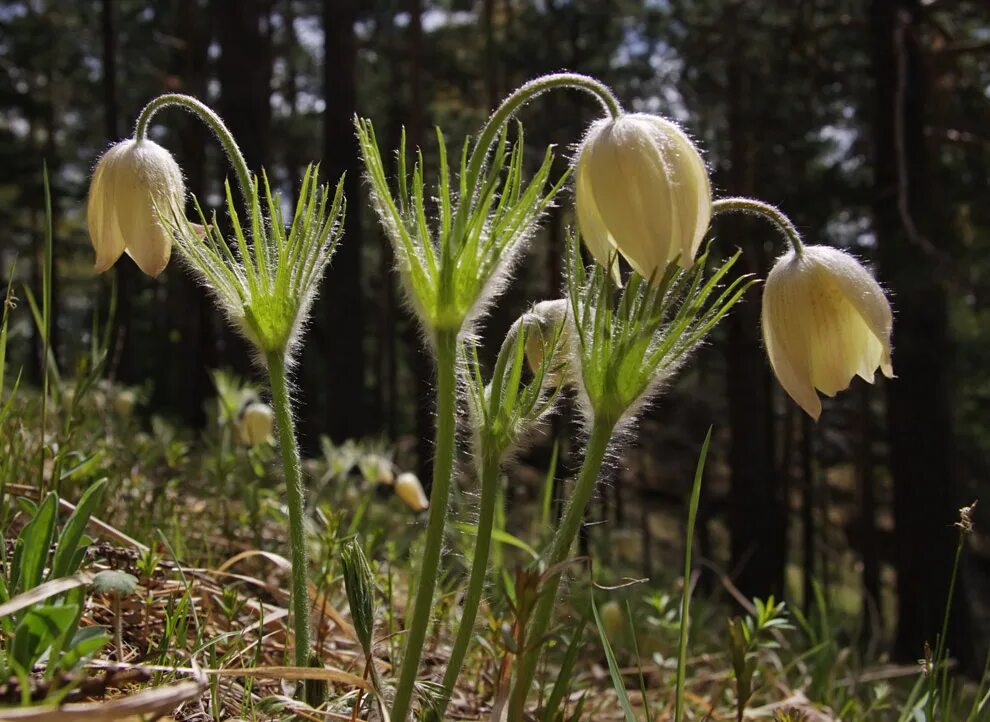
613 667
75 526
686 593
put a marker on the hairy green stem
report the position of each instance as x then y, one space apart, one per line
215 124
764 210
294 497
601 434
426 579
476 582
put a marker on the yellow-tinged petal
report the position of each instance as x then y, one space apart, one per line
785 321
867 297
103 232
593 231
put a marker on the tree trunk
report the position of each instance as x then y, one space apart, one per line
910 224
244 70
190 344
338 337
758 525
422 366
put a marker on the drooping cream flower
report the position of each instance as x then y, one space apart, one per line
825 319
255 424
408 488
134 181
642 190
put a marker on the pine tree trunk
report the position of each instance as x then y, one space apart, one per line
758 525
339 318
909 220
422 367
244 70
190 314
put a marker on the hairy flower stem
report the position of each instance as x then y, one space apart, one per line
601 434
426 579
213 121
766 211
294 497
476 582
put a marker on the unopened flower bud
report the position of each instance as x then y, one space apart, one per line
134 181
408 488
255 423
545 325
642 190
825 319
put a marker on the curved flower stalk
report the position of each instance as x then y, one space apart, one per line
824 318
265 284
503 411
452 270
626 347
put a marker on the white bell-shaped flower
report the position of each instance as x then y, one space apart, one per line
825 319
134 181
408 488
642 190
255 424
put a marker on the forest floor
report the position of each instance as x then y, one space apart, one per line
197 521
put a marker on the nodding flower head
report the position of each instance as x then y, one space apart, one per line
642 190
408 488
255 424
134 182
825 319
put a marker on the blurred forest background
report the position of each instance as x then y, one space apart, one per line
867 121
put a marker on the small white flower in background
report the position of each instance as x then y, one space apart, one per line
124 402
408 488
642 190
255 424
825 319
132 183
613 620
68 397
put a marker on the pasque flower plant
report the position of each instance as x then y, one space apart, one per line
265 279
452 270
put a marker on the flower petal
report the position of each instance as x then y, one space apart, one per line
595 235
785 320
865 294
